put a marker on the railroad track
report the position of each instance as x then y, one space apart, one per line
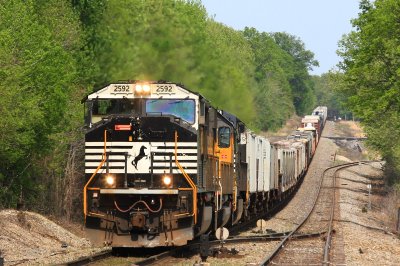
300 233
312 252
90 259
233 230
194 248
156 259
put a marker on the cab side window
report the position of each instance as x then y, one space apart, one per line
224 137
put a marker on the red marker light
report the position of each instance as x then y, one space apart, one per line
123 127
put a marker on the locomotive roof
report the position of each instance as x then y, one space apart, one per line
234 120
99 88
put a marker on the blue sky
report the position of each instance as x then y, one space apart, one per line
320 24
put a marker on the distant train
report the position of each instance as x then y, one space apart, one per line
164 166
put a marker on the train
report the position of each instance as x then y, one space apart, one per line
164 166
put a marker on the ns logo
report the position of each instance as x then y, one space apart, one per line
142 154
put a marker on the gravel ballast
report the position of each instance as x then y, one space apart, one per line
30 238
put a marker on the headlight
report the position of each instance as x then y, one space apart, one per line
167 180
146 88
110 180
139 88
142 89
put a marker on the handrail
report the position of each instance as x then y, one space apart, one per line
234 192
137 202
93 175
188 179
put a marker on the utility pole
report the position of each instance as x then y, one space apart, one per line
369 196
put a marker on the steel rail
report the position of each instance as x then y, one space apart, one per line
332 212
196 244
328 241
90 259
269 258
232 240
267 238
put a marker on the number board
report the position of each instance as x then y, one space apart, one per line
121 88
243 138
163 89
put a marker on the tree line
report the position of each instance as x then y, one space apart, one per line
53 53
369 77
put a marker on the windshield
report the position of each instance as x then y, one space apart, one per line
101 108
114 106
183 109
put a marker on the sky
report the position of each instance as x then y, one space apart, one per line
320 24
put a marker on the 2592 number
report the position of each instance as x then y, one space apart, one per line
164 89
121 88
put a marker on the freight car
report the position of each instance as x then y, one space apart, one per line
164 166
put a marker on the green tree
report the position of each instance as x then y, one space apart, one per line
158 40
326 93
281 73
371 63
175 41
273 95
38 72
228 70
297 71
